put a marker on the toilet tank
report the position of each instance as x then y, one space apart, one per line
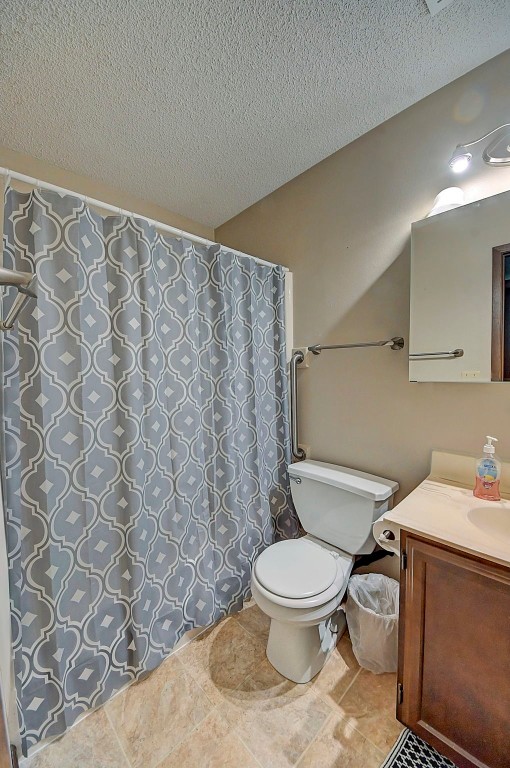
339 505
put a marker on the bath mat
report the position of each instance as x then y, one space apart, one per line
412 752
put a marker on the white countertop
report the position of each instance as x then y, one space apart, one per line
448 512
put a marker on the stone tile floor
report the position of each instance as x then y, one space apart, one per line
218 702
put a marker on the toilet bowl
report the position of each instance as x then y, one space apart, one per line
300 583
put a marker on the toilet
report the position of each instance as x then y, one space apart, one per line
300 583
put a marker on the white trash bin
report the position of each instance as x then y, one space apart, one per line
372 618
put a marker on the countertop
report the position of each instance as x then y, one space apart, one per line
448 512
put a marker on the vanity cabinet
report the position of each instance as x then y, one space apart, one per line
454 652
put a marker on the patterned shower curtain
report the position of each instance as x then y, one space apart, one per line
145 443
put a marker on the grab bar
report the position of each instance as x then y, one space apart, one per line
297 452
397 342
450 355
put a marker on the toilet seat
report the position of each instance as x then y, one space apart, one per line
343 566
296 568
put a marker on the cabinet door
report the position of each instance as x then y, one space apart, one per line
454 653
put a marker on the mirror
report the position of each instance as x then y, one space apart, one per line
460 294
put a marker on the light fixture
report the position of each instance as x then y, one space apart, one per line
449 198
496 154
459 162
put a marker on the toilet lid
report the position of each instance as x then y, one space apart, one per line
296 568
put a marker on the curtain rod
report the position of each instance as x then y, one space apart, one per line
38 184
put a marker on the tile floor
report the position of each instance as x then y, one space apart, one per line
218 703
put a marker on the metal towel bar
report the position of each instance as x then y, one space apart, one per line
449 355
397 342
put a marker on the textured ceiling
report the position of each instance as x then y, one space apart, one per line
206 107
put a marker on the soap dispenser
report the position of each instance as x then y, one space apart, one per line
488 473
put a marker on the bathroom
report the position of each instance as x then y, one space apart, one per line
163 165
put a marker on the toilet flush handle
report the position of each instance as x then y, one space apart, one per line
296 479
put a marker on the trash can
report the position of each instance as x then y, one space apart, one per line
372 618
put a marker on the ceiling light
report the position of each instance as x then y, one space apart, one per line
447 199
496 154
460 160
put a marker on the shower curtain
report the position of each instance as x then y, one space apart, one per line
145 443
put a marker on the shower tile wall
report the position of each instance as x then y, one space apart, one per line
218 702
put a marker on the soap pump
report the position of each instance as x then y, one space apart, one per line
488 473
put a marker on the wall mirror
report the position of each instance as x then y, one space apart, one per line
460 294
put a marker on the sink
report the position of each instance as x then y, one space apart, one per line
492 520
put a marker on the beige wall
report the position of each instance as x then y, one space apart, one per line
16 161
344 227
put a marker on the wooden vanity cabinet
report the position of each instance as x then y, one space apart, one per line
454 652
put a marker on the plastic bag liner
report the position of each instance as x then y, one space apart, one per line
372 618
